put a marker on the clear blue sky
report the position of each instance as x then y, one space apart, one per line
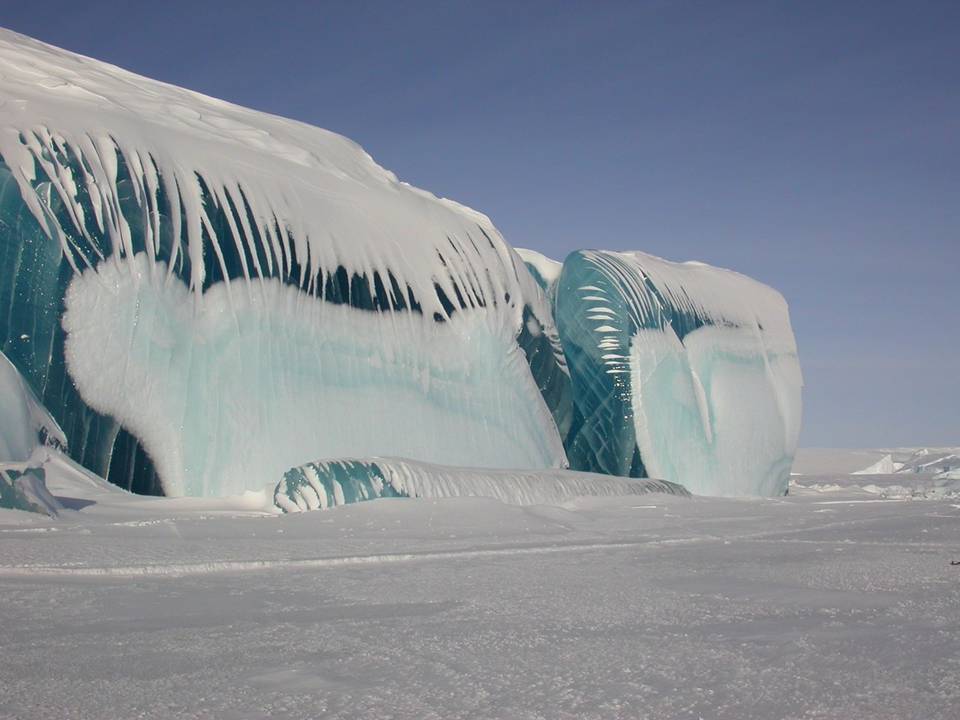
812 145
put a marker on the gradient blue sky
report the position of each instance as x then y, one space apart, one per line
812 145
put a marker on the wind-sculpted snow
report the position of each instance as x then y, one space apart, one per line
328 483
243 292
679 371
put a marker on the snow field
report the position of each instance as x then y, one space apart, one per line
814 605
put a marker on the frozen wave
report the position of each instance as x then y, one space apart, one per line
329 483
680 371
245 292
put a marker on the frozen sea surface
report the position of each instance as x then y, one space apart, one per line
823 604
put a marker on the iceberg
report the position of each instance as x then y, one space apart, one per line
679 371
205 295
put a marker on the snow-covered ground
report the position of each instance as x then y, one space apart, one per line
829 603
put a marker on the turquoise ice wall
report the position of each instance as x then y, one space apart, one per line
35 274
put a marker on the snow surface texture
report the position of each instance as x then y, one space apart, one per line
328 483
246 292
679 371
829 605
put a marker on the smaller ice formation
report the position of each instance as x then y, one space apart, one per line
324 484
25 428
678 371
